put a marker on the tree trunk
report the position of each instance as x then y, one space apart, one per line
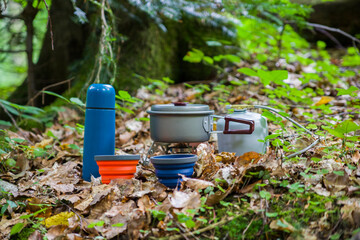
53 65
29 15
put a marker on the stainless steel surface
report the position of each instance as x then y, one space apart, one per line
178 128
242 143
175 123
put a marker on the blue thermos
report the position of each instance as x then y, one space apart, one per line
99 136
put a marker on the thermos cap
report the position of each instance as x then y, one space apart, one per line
100 96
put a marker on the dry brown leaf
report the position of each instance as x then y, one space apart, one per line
145 204
351 214
126 136
9 187
74 236
249 188
180 199
36 204
36 235
159 193
225 157
56 232
356 157
6 224
248 158
44 143
336 183
196 184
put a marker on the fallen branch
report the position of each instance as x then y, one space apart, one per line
320 26
47 87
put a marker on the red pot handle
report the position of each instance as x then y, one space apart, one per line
251 124
180 103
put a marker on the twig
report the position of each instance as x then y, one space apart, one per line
332 38
245 230
47 87
320 26
49 23
14 122
12 51
336 225
11 17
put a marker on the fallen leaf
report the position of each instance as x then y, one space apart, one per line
324 100
182 199
133 125
225 157
248 158
145 204
56 232
58 219
36 235
335 183
355 157
196 184
9 187
351 214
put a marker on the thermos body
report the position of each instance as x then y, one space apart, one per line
99 135
99 139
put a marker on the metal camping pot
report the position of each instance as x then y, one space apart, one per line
186 123
246 141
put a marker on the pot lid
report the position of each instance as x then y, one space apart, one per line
180 107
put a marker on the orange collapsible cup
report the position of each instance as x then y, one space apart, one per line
116 166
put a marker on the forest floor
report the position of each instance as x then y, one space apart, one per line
315 195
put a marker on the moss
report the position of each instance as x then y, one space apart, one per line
24 234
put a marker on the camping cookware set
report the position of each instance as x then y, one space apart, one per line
178 122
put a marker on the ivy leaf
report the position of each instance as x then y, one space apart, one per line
347 126
248 71
274 214
118 225
56 95
209 60
190 223
229 57
276 76
77 101
123 95
17 228
98 224
270 116
272 136
350 91
339 173
194 56
335 133
265 194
